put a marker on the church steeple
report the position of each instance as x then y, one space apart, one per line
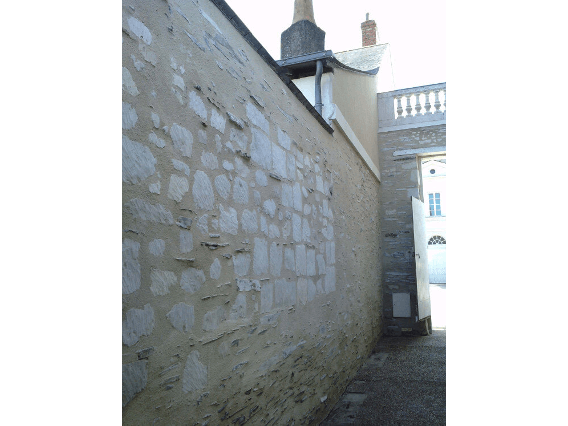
303 36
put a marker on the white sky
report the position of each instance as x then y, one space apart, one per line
415 29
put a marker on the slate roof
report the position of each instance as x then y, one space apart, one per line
365 58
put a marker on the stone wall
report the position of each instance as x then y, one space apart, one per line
401 181
251 256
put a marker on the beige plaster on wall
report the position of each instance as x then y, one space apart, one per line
215 328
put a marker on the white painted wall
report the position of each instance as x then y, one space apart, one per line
435 225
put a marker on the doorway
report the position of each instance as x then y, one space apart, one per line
433 185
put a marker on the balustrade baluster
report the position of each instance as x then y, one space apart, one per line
399 106
408 106
437 103
418 107
427 105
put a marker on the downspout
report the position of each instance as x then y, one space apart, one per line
319 72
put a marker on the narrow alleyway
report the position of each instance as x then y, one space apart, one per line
402 383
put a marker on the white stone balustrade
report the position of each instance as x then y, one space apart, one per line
412 107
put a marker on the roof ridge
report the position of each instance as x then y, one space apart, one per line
361 48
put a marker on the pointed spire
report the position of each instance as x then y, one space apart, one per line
303 9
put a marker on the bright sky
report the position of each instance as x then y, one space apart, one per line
415 30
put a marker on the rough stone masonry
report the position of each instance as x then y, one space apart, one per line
401 181
251 257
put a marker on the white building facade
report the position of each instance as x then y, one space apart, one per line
434 192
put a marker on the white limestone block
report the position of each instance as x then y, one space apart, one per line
192 279
131 275
302 290
239 308
197 105
228 220
162 281
160 143
319 287
275 259
215 269
249 222
261 178
321 264
273 231
129 116
269 208
140 30
330 252
301 266
297 194
143 210
182 139
279 161
239 137
283 139
257 118
181 166
286 229
185 241
266 297
137 161
240 191
260 263
203 191
296 228
311 290
223 186
248 285
202 224
139 322
311 263
289 262
134 380
194 373
291 166
128 83
305 230
181 316
261 149
178 81
218 121
157 247
241 264
284 293
155 118
287 195
209 160
179 186
212 319
329 279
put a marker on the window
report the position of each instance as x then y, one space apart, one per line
434 200
436 239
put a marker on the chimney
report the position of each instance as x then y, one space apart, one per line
369 32
303 36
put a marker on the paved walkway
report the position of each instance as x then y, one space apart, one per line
402 383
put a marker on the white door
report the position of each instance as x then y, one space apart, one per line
421 257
